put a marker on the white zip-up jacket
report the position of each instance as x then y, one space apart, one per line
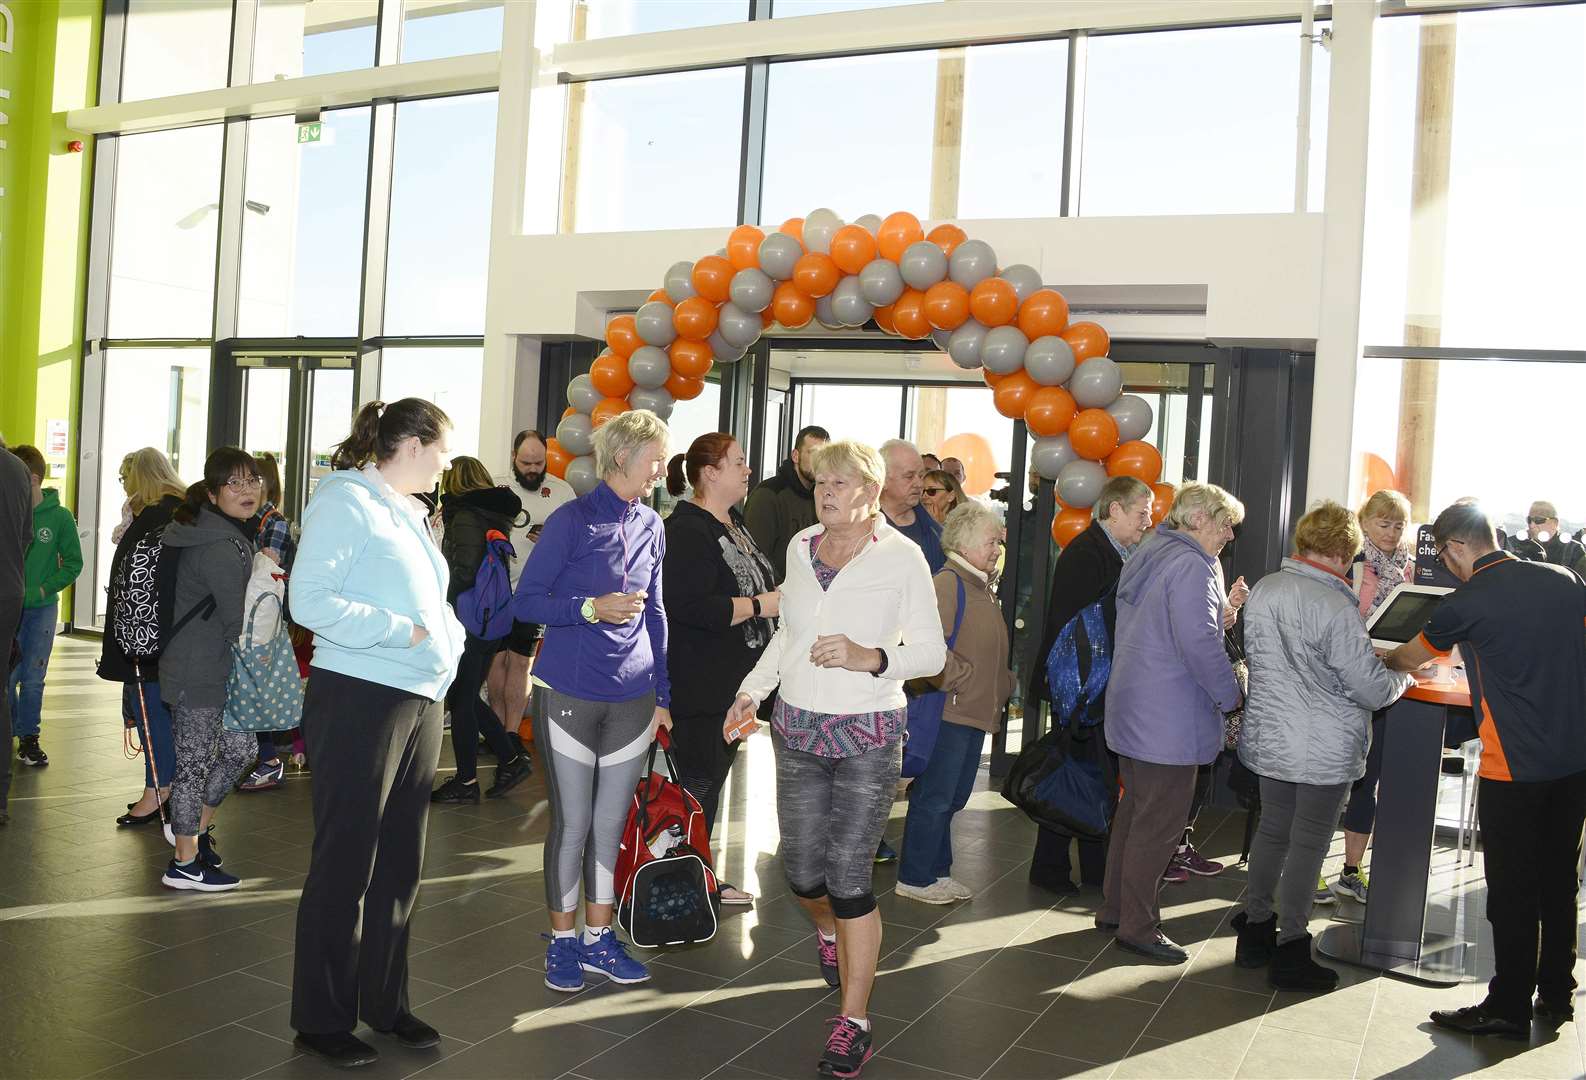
882 599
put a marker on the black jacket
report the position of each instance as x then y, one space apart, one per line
1087 570
16 523
113 663
466 518
1556 550
776 511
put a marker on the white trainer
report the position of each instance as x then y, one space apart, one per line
938 892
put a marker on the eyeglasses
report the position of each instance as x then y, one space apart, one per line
245 483
1538 520
934 490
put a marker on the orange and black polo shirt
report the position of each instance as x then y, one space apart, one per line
1521 629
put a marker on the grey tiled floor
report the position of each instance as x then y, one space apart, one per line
103 972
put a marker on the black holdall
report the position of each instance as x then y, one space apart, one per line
1064 781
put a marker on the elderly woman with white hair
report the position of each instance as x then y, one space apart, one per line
594 582
859 617
978 683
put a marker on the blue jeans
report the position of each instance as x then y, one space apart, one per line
25 685
938 793
160 748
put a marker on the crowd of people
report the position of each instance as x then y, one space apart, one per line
852 586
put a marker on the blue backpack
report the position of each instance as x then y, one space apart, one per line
485 609
1078 667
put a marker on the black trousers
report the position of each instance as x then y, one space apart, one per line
374 750
10 616
1052 860
471 714
1531 839
704 759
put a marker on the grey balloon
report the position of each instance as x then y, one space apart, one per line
1080 483
1133 414
1049 455
649 367
679 281
581 474
1002 352
1049 360
658 400
826 313
972 262
869 221
1096 384
941 338
574 433
778 253
818 229
654 321
582 395
751 289
965 342
880 283
737 327
922 264
725 351
849 303
1024 279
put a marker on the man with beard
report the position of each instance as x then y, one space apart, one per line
783 505
542 494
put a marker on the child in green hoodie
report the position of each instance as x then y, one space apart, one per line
53 562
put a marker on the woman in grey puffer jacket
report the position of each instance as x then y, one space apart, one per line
1314 682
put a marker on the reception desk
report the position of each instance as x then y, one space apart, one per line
1393 938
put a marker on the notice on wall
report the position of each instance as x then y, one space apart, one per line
56 433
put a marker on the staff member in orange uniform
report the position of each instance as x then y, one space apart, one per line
1519 626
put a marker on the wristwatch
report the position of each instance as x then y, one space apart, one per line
587 609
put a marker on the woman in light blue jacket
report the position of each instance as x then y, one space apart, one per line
370 582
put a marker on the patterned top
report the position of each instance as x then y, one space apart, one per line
825 734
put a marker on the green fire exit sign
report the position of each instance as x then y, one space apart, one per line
307 133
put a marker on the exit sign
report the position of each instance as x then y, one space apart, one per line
307 133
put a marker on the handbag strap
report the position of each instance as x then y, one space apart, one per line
253 612
958 616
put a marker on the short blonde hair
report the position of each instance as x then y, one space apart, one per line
1329 530
1192 500
466 474
856 460
968 522
619 438
1387 504
148 477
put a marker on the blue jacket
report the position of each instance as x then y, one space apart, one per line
594 545
367 571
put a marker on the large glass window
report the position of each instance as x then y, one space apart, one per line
163 233
785 9
175 47
1011 161
659 152
870 413
616 18
313 37
452 378
432 29
302 230
440 216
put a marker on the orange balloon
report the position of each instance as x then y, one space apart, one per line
1087 340
883 317
556 459
691 359
1044 312
994 302
659 294
1162 496
1093 434
947 305
609 373
792 307
947 237
694 318
980 462
623 336
816 274
852 248
794 227
897 232
1013 392
743 247
684 388
1050 411
908 315
607 408
569 411
1069 523
991 377
1375 475
1138 459
711 276
767 318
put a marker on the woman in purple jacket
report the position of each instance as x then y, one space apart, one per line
1170 688
594 582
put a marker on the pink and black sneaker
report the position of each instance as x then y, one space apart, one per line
827 951
847 1048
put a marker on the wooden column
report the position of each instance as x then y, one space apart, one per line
930 418
948 141
574 130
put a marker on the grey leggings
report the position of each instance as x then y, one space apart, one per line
831 813
593 753
1297 823
209 759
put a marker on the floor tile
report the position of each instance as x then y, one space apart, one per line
1022 1063
1276 1054
685 1050
959 1036
171 1018
526 1053
226 1053
1089 1030
1020 979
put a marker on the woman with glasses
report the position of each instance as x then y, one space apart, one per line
941 495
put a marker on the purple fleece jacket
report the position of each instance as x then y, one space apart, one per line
594 545
1171 680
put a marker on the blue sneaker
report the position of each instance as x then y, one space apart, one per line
199 876
885 853
208 854
562 969
608 957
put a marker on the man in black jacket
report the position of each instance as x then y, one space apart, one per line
16 533
783 505
1543 542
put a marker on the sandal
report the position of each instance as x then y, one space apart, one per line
731 894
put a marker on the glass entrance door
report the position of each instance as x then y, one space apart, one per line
297 408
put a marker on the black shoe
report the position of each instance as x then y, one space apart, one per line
342 1048
1554 1013
1257 941
412 1032
208 854
1292 968
30 753
847 1049
1161 949
1051 881
1476 1020
129 818
5 817
509 776
455 791
885 852
1106 927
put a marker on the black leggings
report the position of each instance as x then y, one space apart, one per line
1361 812
471 714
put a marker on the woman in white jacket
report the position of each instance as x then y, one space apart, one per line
858 618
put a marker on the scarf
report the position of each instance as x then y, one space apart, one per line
1389 568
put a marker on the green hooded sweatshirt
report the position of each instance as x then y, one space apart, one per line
55 557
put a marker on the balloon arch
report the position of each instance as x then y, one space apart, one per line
1054 375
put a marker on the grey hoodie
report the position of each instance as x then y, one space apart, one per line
215 561
16 522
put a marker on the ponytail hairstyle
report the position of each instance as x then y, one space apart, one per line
219 467
379 429
270 469
708 449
